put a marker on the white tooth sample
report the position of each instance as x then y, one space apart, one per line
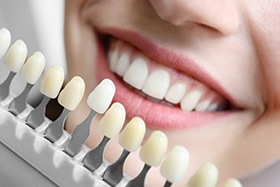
175 164
232 183
72 93
190 100
203 105
176 92
137 73
122 64
154 149
113 59
5 40
157 84
132 135
206 176
112 121
33 67
101 97
52 81
16 56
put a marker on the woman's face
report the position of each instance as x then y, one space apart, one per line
204 72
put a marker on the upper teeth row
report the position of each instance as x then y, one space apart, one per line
156 81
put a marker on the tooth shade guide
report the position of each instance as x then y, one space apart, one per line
5 40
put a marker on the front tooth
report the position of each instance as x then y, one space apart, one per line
5 40
113 58
16 56
72 93
175 164
176 93
157 84
137 73
52 81
203 106
122 64
190 100
132 135
207 175
101 97
232 183
112 121
33 68
154 149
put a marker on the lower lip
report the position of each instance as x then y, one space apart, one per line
156 116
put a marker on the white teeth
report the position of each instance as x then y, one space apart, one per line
206 176
232 183
190 100
136 73
175 164
52 81
154 149
132 135
113 59
161 79
34 67
5 40
16 56
122 64
203 106
101 97
213 107
176 93
112 121
72 93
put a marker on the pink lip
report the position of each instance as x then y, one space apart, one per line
155 115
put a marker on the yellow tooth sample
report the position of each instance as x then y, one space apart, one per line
16 56
5 40
52 81
175 164
113 120
232 183
132 135
154 149
72 94
206 176
101 97
33 67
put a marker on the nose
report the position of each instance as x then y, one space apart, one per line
220 15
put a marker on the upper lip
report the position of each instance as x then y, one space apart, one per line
170 59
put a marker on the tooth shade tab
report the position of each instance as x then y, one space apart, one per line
72 94
175 164
5 40
33 68
176 92
52 81
206 176
101 97
112 121
132 135
16 56
161 79
137 73
232 183
154 149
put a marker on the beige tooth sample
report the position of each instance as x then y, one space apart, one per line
232 183
190 100
132 135
16 56
5 40
175 164
175 93
154 149
72 93
34 67
101 97
136 73
52 81
206 176
157 84
112 121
